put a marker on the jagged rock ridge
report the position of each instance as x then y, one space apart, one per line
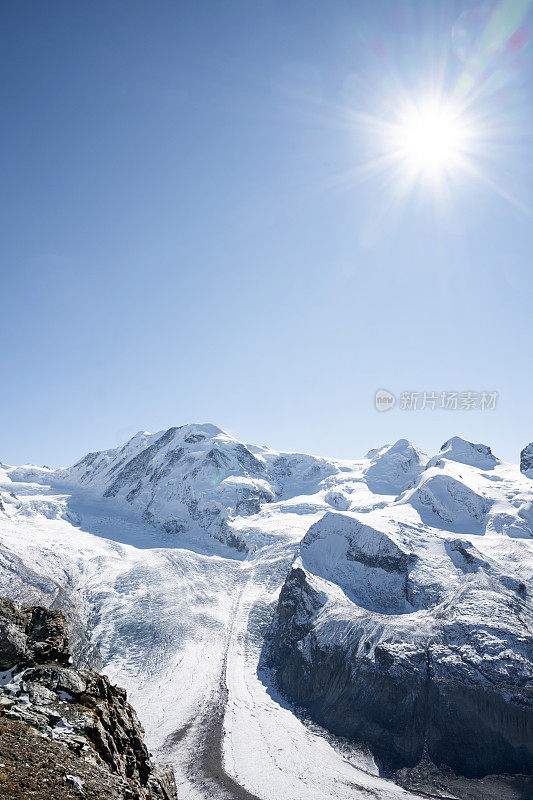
73 720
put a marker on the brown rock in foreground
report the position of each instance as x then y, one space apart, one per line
66 733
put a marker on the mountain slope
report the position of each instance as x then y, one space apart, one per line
194 476
410 626
412 574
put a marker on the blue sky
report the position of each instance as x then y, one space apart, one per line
190 231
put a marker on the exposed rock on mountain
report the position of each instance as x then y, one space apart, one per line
464 452
399 593
395 630
31 635
194 476
526 460
63 732
449 687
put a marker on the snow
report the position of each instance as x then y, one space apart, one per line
179 611
457 449
441 500
365 562
394 467
76 782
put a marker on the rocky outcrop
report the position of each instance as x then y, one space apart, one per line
526 460
446 691
31 635
27 587
73 718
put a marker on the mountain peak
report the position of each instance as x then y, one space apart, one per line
465 452
394 467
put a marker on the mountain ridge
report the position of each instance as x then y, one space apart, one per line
395 567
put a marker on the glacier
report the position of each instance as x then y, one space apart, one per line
236 590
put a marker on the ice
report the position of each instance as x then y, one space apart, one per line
180 617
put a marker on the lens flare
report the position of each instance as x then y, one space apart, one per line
430 139
441 114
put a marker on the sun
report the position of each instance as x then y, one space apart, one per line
430 139
432 145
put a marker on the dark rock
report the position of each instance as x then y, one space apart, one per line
31 634
406 699
77 709
29 588
526 460
297 604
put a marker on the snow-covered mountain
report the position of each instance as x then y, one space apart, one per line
409 625
194 476
243 595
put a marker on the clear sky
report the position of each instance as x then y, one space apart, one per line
201 222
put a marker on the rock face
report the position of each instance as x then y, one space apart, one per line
401 628
31 635
75 720
404 691
526 460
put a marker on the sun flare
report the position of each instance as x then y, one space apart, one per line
430 139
